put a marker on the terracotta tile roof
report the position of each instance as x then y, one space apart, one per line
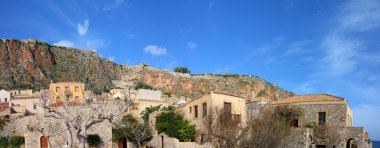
226 93
307 98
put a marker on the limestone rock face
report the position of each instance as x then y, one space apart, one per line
38 63
194 86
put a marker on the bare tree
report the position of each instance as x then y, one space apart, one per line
134 131
78 117
224 130
48 128
271 129
327 134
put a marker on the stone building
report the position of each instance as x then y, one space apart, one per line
26 104
5 97
197 111
328 110
60 89
146 98
16 92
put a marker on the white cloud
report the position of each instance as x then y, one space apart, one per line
83 27
155 50
360 15
94 44
341 54
64 43
111 59
191 45
113 5
344 51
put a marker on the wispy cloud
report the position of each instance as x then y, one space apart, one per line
64 43
343 50
111 59
341 54
155 50
211 3
93 44
191 45
114 4
306 88
83 27
360 15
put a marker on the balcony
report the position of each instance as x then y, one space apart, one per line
235 118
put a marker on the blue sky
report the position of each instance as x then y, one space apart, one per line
314 46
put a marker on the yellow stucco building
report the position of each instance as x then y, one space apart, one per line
213 104
60 90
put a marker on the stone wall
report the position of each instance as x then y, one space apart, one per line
59 139
336 113
162 140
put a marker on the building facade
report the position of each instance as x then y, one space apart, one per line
74 91
324 110
214 104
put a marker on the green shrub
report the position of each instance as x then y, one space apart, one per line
93 140
141 85
4 142
262 93
182 70
175 126
17 141
168 94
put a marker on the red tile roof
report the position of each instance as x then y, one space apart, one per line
308 98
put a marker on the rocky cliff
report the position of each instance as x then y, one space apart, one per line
35 64
31 63
193 86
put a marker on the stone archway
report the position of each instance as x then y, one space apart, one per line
122 143
44 142
350 143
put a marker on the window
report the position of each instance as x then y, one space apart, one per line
57 89
6 100
227 108
76 89
294 123
67 88
34 106
190 109
196 111
204 108
202 138
321 118
58 99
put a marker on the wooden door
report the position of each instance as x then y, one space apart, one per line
44 142
122 143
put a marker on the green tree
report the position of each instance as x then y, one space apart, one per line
182 70
93 140
145 114
174 125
